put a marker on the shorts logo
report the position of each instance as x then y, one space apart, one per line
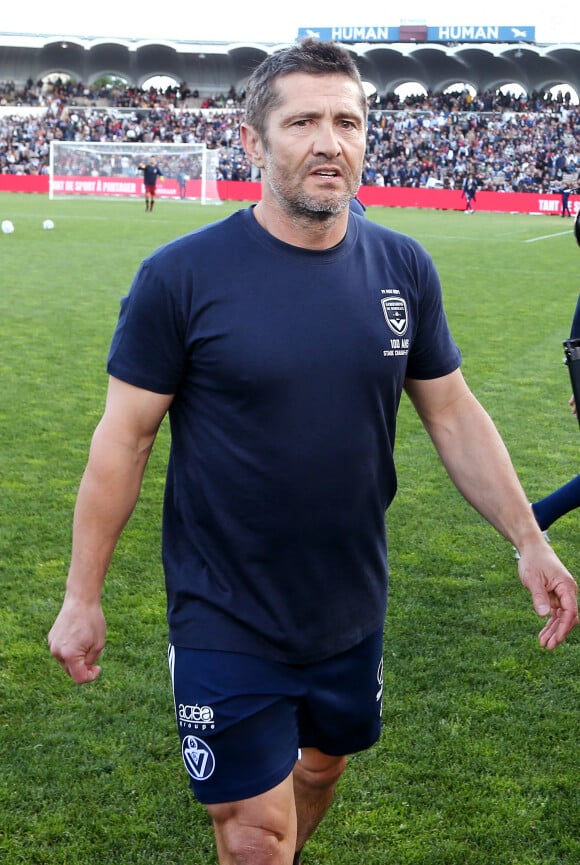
379 697
198 717
396 315
198 758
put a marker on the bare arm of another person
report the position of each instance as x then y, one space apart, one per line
479 465
107 495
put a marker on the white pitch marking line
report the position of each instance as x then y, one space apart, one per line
547 236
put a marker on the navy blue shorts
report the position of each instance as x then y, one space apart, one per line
242 720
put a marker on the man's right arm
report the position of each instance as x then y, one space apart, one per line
107 496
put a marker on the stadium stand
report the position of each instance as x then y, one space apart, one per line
509 144
528 143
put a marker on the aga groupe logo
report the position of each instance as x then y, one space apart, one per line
198 717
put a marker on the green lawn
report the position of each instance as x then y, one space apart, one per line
478 761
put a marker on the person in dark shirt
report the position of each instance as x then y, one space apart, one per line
151 172
566 192
567 497
279 341
469 192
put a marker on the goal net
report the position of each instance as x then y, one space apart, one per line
98 168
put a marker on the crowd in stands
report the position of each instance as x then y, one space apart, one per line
506 143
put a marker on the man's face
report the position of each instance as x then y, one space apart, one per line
314 146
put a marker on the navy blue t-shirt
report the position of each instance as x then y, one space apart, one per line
287 367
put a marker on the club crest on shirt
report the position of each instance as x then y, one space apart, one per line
198 758
395 312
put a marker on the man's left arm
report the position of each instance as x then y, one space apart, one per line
479 465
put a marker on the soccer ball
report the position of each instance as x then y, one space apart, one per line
7 227
48 224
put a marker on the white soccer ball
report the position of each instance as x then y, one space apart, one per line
7 227
48 224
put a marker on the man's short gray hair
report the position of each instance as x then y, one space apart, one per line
310 56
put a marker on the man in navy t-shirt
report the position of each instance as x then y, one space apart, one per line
565 498
279 341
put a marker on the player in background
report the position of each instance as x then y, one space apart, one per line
469 192
151 172
567 497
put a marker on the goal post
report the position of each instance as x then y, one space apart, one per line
107 168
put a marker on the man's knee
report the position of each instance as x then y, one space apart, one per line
317 770
257 831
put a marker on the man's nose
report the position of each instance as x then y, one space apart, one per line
327 140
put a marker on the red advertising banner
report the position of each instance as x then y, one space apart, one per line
232 190
451 199
131 187
24 183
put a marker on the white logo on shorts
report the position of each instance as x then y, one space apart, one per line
198 758
198 717
380 684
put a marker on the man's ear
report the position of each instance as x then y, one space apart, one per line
252 144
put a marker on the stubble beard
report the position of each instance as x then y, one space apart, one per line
297 203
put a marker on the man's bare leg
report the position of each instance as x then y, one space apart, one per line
268 829
257 831
315 778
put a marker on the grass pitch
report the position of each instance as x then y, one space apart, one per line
478 761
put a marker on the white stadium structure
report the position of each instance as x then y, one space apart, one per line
212 68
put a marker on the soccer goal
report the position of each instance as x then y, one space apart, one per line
98 168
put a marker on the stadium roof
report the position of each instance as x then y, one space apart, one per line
214 67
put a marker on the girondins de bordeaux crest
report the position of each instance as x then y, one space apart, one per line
395 312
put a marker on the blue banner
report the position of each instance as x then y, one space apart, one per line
415 33
350 34
456 33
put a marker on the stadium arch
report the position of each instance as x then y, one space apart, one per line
212 68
